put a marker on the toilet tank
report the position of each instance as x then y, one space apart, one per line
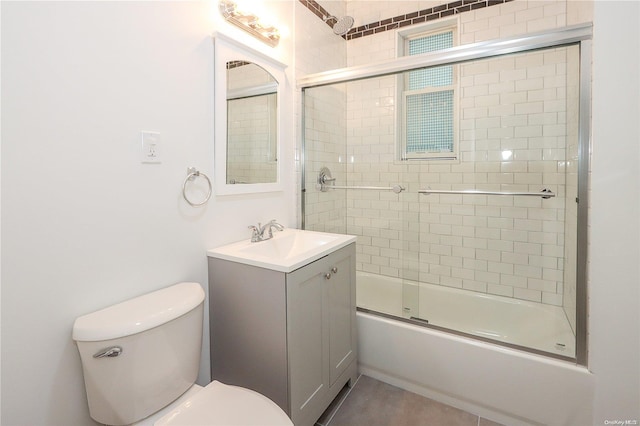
150 350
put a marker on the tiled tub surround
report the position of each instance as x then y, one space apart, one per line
423 15
534 266
476 376
319 49
512 137
325 147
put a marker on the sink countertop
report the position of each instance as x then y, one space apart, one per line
287 251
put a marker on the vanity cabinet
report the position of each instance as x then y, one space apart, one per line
288 335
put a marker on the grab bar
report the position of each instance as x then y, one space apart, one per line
395 188
325 176
545 193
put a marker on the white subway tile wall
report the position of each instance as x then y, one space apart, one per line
517 132
319 49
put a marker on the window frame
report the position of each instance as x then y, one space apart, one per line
403 38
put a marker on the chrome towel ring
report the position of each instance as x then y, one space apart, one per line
192 173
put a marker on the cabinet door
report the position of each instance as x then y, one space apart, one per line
307 341
342 311
247 311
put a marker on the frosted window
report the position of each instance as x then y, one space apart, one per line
429 102
440 76
430 122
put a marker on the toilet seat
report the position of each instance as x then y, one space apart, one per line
224 405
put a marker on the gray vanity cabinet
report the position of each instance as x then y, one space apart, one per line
290 336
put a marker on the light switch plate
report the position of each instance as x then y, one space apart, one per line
151 148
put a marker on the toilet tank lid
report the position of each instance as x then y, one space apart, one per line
139 314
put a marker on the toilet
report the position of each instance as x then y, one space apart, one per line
140 361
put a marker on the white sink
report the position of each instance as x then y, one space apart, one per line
287 251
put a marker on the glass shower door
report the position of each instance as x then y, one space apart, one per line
498 255
482 241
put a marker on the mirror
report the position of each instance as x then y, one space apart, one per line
248 107
252 128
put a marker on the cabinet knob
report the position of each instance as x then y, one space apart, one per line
334 270
328 275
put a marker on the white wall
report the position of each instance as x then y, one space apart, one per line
614 288
85 223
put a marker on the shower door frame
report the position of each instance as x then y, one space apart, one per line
579 35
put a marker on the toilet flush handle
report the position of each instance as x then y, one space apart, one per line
109 352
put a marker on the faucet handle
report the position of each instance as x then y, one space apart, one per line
255 233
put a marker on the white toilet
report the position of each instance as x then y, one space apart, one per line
140 360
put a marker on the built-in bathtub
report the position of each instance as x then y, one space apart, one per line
501 383
511 321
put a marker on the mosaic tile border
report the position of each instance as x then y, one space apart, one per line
420 16
236 64
318 10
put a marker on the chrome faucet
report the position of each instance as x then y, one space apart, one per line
257 232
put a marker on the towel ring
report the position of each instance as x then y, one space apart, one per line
192 173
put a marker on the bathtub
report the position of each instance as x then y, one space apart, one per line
510 321
497 382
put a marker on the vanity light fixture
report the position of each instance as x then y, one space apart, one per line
249 22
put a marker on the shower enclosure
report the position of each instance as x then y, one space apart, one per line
482 230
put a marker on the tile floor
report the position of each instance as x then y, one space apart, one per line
375 403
